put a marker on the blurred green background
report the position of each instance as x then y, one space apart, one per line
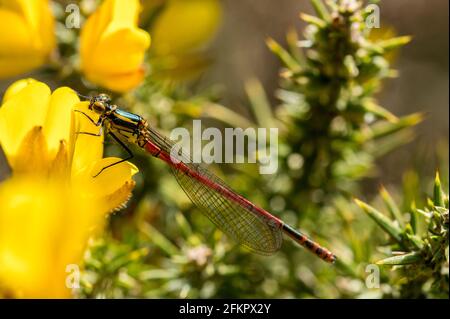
240 53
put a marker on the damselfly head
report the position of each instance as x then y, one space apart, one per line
100 103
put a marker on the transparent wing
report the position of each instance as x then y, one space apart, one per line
241 221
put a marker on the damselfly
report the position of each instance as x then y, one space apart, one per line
253 227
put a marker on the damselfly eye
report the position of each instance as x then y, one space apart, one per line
104 98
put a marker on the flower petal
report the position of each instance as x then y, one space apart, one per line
88 149
17 55
124 14
126 49
113 185
113 47
118 82
58 123
28 214
46 27
119 199
32 157
40 20
18 41
185 25
44 228
15 65
26 35
112 178
60 168
93 29
16 87
21 113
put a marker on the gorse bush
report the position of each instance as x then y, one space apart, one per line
420 245
332 131
334 126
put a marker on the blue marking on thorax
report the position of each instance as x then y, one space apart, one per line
134 117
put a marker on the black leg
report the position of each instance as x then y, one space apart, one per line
130 154
92 134
90 118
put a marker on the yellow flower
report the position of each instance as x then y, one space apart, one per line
52 204
113 47
27 35
185 25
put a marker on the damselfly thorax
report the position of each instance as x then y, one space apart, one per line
125 125
128 126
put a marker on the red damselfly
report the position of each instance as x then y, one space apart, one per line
250 225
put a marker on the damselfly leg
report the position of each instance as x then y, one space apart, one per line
96 123
118 141
130 154
100 132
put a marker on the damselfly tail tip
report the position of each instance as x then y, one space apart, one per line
312 246
331 258
323 253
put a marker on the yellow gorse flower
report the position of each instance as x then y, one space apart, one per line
185 25
27 35
113 47
51 205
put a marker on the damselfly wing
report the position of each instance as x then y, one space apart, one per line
230 212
